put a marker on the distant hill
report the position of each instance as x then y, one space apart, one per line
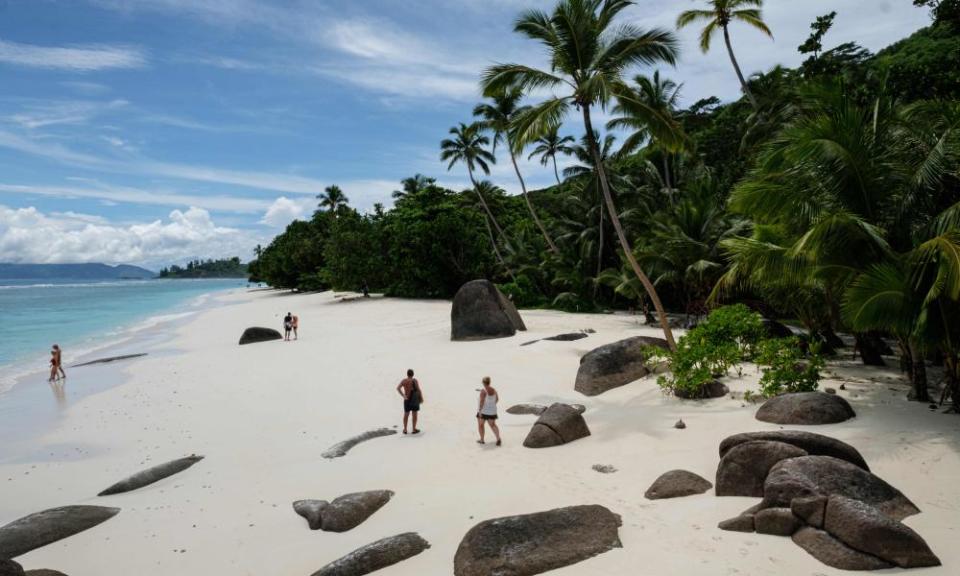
73 271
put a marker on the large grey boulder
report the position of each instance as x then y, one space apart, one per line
744 468
344 513
808 476
805 408
677 484
813 444
49 526
480 312
559 424
536 543
776 522
708 390
10 568
834 553
864 528
376 556
151 475
615 365
259 334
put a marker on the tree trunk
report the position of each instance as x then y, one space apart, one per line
918 375
624 243
493 240
869 350
599 251
486 208
556 173
536 219
736 66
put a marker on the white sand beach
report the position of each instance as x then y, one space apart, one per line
263 414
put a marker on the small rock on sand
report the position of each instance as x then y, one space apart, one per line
604 468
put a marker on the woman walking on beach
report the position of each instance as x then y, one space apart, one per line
487 410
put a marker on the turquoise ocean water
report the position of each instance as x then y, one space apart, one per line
82 316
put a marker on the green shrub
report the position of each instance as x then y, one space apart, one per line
727 337
523 293
786 369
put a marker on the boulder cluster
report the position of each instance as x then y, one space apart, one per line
820 492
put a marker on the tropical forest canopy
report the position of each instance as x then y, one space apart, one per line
225 268
829 194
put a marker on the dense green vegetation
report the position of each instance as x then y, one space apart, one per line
227 268
828 195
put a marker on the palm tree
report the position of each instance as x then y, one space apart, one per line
662 94
719 17
589 54
468 146
497 116
548 146
413 185
333 199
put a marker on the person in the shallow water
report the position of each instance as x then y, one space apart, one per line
53 366
409 389
287 325
295 324
487 410
58 355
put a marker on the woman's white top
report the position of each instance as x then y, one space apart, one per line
489 407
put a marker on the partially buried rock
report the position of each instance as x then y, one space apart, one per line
151 475
375 556
43 572
744 468
712 389
480 312
615 365
805 408
834 553
343 514
522 409
677 484
49 526
570 337
536 543
864 528
825 476
10 568
814 444
775 329
258 334
559 424
604 468
340 449
680 425
776 522
742 523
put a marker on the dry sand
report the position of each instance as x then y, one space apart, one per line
262 415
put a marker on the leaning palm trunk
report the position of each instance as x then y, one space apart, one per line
600 249
556 173
523 186
736 66
496 250
918 374
624 243
486 208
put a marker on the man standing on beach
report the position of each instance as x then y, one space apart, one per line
409 389
287 326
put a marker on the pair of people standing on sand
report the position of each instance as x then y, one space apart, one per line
291 322
412 394
56 364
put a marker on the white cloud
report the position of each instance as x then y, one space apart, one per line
284 211
110 195
87 58
41 114
28 235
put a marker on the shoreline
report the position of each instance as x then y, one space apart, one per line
25 406
263 414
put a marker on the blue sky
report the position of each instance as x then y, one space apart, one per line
153 131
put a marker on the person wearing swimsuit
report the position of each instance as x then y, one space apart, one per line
487 410
409 389
295 323
58 357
